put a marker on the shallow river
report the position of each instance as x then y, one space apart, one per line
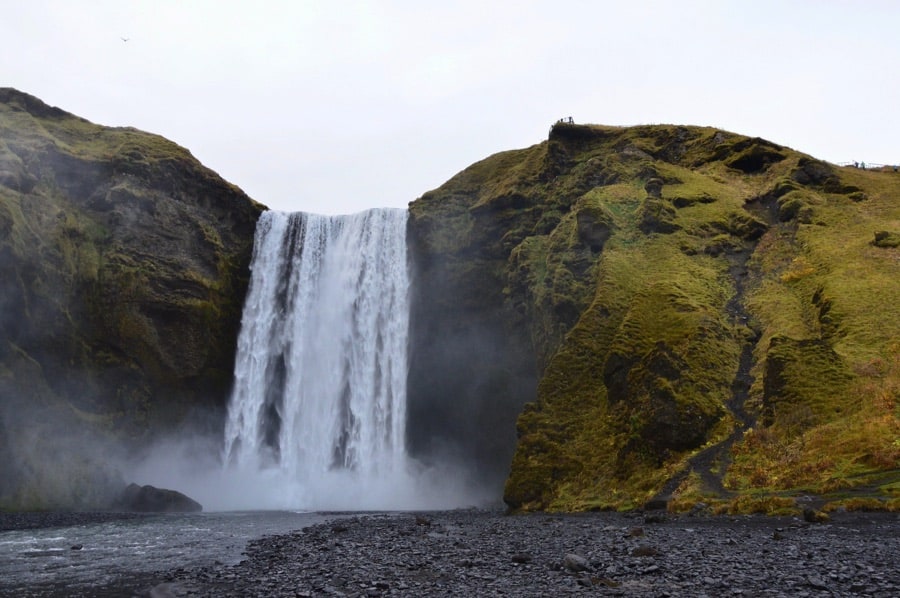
71 560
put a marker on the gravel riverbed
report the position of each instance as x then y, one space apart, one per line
482 553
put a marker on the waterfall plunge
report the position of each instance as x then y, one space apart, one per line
318 411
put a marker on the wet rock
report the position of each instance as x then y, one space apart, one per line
149 499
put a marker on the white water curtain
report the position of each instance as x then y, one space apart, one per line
320 373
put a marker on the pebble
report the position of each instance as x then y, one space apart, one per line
487 553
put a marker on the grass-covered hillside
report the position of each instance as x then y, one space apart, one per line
123 266
709 317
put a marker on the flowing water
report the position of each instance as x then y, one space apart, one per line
320 374
43 562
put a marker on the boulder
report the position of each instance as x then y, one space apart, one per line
149 499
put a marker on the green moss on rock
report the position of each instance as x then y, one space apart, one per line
641 263
124 266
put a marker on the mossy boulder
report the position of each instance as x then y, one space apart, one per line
884 238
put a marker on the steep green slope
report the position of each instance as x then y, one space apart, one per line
123 266
675 287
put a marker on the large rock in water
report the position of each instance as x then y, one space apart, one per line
123 267
150 499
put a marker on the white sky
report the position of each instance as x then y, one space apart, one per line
338 106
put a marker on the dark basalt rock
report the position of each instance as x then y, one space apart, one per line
149 499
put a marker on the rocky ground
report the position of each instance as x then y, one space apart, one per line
477 553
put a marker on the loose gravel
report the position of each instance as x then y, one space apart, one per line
479 553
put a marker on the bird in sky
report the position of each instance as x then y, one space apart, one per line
125 39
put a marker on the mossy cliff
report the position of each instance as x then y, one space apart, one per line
683 312
124 264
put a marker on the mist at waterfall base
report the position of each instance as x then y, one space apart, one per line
317 418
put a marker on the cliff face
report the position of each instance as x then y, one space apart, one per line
684 314
124 264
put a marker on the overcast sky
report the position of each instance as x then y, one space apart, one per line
335 107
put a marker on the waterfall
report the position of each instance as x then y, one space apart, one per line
319 396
